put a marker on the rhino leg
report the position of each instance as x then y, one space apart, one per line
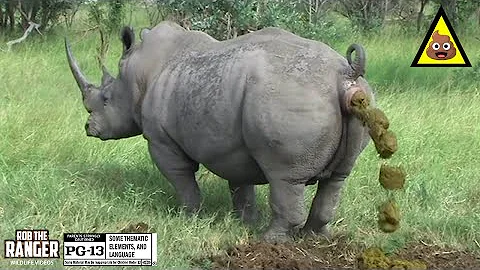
324 205
180 170
328 190
243 198
286 202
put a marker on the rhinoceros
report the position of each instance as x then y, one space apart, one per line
268 107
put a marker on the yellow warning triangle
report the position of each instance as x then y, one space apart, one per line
441 47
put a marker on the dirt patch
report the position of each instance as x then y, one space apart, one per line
441 258
339 254
307 254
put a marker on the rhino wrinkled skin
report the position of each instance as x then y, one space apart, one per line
265 107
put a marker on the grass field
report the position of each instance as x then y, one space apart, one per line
52 176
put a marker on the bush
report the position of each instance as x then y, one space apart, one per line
224 19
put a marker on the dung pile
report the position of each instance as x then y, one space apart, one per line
374 258
307 254
390 177
337 253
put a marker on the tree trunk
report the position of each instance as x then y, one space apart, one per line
45 15
385 11
423 3
11 13
30 8
5 15
310 11
478 15
1 16
36 8
24 6
450 7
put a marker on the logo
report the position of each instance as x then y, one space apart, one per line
441 47
31 244
110 249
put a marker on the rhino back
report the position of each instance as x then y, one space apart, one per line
289 84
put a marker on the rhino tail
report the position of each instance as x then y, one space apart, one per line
357 66
353 71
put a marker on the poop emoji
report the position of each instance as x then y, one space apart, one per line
441 48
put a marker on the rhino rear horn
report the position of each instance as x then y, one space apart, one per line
81 80
107 78
358 65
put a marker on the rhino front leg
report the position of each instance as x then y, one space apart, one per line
287 203
244 205
180 170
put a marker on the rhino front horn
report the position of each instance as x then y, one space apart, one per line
81 80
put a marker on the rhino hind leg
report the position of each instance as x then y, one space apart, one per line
288 213
244 205
180 172
323 206
328 190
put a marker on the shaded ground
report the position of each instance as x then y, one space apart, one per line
338 254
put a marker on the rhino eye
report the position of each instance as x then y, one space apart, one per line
104 99
436 46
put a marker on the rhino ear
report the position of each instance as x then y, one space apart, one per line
144 32
128 38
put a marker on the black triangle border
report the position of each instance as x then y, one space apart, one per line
440 13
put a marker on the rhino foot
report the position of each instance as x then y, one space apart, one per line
307 232
248 216
190 210
276 237
243 198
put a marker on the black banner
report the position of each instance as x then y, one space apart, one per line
84 237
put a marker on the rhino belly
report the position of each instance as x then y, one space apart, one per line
238 167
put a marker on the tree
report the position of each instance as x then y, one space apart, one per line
450 7
423 3
106 18
1 15
468 11
10 10
366 14
45 12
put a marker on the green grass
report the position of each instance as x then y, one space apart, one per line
52 176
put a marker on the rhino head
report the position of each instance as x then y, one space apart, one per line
110 105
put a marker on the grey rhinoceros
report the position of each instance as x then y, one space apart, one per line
268 107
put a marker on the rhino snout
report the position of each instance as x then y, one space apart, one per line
87 125
91 130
